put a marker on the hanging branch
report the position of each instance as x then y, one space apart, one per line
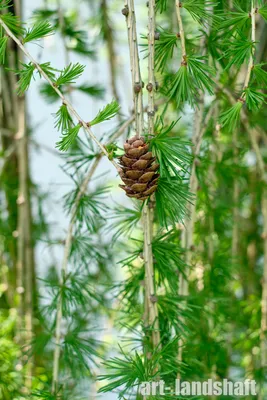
65 101
67 248
263 335
178 5
25 250
252 132
235 238
253 39
151 311
151 300
129 12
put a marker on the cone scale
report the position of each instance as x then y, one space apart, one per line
138 169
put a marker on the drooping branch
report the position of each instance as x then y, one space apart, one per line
178 6
253 39
71 108
137 84
263 335
67 248
151 300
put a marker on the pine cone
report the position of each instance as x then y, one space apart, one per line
138 169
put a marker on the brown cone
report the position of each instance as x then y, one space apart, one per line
139 172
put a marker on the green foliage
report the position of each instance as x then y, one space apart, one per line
3 44
50 71
108 112
130 370
260 74
76 292
168 259
161 5
263 12
172 197
125 220
164 48
38 31
78 348
4 4
93 90
63 121
200 11
170 150
235 21
193 76
68 138
13 23
175 312
44 395
238 51
201 73
26 74
69 74
254 99
25 77
230 118
181 87
91 207
10 379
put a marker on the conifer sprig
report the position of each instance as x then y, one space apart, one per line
171 201
63 120
243 49
3 45
38 31
171 151
69 74
234 21
68 138
200 11
164 48
230 118
108 112
13 23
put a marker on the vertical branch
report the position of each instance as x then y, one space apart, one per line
178 5
235 200
67 249
263 337
151 311
25 240
129 12
148 209
253 39
188 232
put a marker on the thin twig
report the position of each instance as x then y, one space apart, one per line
150 294
135 66
178 5
253 38
63 98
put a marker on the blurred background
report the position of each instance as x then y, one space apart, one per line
225 325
